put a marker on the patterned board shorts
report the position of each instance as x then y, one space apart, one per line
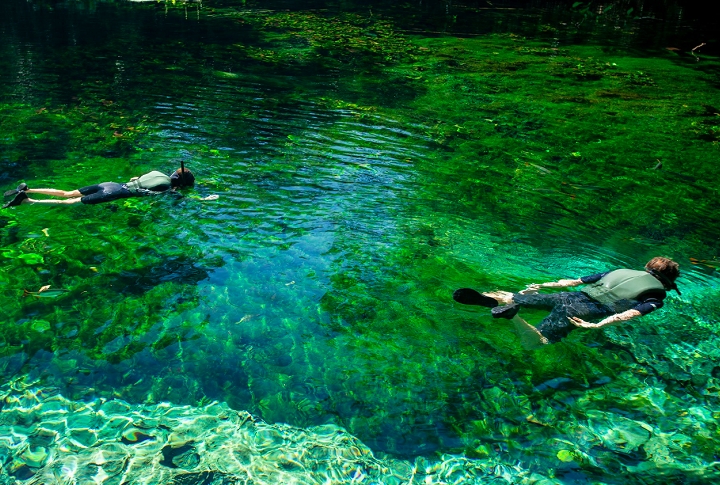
556 326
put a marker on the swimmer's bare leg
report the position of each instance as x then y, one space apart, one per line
503 297
530 337
55 192
52 201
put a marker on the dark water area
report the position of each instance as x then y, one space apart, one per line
369 158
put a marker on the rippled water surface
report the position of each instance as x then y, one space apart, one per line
368 161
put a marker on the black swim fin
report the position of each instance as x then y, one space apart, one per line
19 198
468 296
507 311
21 188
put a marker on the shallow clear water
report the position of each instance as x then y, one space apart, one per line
367 163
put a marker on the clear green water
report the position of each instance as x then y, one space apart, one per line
367 165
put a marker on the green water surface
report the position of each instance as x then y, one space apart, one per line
368 162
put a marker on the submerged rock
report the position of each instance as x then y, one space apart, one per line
34 457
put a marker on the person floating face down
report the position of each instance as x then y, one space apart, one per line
618 296
151 183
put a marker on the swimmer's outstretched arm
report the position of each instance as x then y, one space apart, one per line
555 284
611 320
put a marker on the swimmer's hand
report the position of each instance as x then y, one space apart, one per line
531 289
611 320
579 322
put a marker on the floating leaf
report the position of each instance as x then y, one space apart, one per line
226 75
566 456
44 294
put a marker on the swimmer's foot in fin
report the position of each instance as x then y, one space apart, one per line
468 296
20 188
19 198
507 311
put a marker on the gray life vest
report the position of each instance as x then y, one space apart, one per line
622 284
153 181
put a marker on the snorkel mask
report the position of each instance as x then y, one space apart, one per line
665 280
185 178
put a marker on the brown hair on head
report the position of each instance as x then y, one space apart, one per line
665 266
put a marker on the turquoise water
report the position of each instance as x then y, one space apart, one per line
368 162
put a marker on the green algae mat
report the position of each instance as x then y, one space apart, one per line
368 161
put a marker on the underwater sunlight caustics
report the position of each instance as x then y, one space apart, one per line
378 242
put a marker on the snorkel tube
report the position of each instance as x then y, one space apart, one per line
182 173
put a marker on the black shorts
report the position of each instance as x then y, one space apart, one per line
104 192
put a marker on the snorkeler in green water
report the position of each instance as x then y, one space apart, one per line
151 183
618 296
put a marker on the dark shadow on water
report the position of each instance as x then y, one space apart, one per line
180 269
